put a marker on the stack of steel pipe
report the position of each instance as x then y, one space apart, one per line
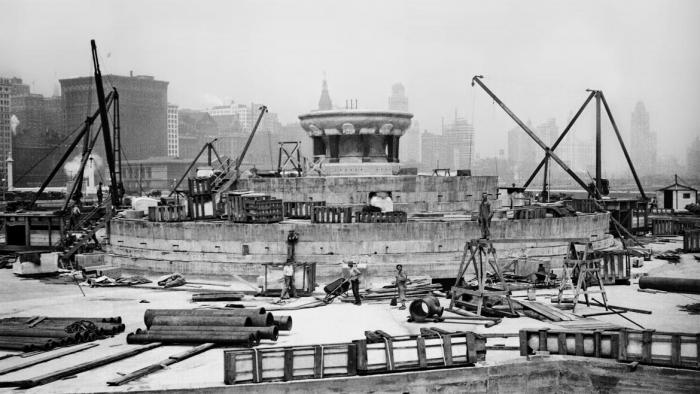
229 327
43 333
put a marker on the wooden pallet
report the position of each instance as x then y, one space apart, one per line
548 311
691 241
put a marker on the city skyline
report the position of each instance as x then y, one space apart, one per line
579 47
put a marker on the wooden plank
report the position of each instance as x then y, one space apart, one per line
615 346
543 339
257 366
676 350
288 364
420 347
624 341
161 365
47 357
389 348
697 350
60 374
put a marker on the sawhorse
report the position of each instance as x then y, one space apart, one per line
581 266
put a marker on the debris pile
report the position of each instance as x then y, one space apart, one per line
44 333
231 327
417 288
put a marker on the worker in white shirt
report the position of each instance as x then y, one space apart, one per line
355 282
288 272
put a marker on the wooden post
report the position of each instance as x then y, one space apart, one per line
471 348
318 362
288 364
562 343
596 343
447 349
615 346
229 367
420 347
361 350
257 366
676 350
523 342
543 339
579 344
623 344
352 359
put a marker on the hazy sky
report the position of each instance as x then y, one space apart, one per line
538 56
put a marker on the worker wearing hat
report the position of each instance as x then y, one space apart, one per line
355 281
401 281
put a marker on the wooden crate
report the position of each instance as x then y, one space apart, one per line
167 213
247 207
381 217
660 348
325 214
301 209
591 343
289 363
615 267
691 241
419 352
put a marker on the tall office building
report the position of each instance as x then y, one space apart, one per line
643 141
460 140
434 152
143 103
173 135
411 141
5 128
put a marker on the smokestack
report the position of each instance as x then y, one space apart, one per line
10 165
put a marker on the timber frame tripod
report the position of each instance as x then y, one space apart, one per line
482 254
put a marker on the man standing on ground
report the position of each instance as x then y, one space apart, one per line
288 272
355 282
485 216
401 281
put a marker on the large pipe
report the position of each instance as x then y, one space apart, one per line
18 331
424 308
271 332
284 323
230 321
25 347
674 285
151 313
113 320
233 339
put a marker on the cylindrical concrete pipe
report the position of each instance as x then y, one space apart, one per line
230 321
284 323
270 332
247 339
25 347
151 313
37 332
674 285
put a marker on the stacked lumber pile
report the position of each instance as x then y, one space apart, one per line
544 312
44 333
417 288
231 327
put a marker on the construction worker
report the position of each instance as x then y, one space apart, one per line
401 281
485 215
355 281
75 214
99 194
288 272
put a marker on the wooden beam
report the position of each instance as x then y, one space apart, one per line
48 357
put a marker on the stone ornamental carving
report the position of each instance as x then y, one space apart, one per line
356 141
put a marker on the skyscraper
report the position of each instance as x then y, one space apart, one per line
5 128
522 153
173 135
643 141
411 141
143 103
325 103
460 140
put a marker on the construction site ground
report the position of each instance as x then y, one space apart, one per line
337 322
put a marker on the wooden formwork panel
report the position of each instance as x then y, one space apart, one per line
326 214
382 217
691 241
301 209
615 267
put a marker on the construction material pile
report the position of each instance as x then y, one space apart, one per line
44 333
243 327
417 288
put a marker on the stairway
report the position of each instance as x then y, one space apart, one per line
86 228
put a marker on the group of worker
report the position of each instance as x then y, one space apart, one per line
354 276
